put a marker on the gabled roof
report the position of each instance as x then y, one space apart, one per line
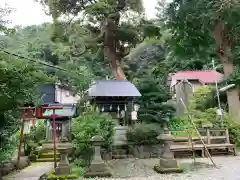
113 88
205 77
68 110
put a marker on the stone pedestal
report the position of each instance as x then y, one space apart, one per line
97 168
167 163
63 167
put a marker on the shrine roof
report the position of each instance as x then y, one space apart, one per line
113 88
67 111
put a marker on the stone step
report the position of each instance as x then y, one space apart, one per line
47 159
49 155
119 151
121 156
49 146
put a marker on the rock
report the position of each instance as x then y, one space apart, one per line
24 162
7 168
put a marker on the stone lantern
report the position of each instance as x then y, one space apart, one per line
63 167
97 168
167 163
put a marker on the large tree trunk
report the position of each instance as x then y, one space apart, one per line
223 44
109 29
114 64
232 94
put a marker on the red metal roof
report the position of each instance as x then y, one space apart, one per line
204 77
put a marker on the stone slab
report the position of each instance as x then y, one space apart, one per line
98 170
161 170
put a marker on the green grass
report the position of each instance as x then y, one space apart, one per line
238 149
75 174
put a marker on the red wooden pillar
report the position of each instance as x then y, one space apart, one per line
27 113
21 142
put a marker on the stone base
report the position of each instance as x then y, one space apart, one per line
161 170
97 170
168 166
24 162
62 170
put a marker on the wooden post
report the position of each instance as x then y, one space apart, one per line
208 135
227 136
20 144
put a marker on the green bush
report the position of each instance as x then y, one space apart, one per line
84 127
33 139
145 134
11 145
38 132
200 107
181 127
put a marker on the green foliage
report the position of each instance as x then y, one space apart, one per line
144 134
8 146
19 83
203 98
34 138
84 127
153 106
38 132
204 112
181 127
234 131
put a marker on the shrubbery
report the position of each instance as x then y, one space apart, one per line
84 127
202 113
144 134
10 147
38 133
33 139
181 127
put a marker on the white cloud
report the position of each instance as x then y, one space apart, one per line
28 12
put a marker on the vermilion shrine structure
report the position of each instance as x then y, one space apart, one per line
57 119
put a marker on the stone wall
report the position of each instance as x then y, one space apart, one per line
11 165
146 151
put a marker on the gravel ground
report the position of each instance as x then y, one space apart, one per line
137 169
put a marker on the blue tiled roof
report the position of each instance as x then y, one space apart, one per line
113 88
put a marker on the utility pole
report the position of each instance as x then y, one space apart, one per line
219 110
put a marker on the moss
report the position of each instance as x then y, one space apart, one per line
76 173
52 176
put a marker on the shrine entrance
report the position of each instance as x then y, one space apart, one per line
116 98
62 121
62 130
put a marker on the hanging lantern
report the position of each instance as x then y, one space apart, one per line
110 107
88 103
136 107
118 111
125 107
102 108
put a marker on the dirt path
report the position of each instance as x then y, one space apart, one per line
32 172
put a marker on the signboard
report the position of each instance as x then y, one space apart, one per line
134 115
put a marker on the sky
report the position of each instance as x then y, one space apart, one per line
29 12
